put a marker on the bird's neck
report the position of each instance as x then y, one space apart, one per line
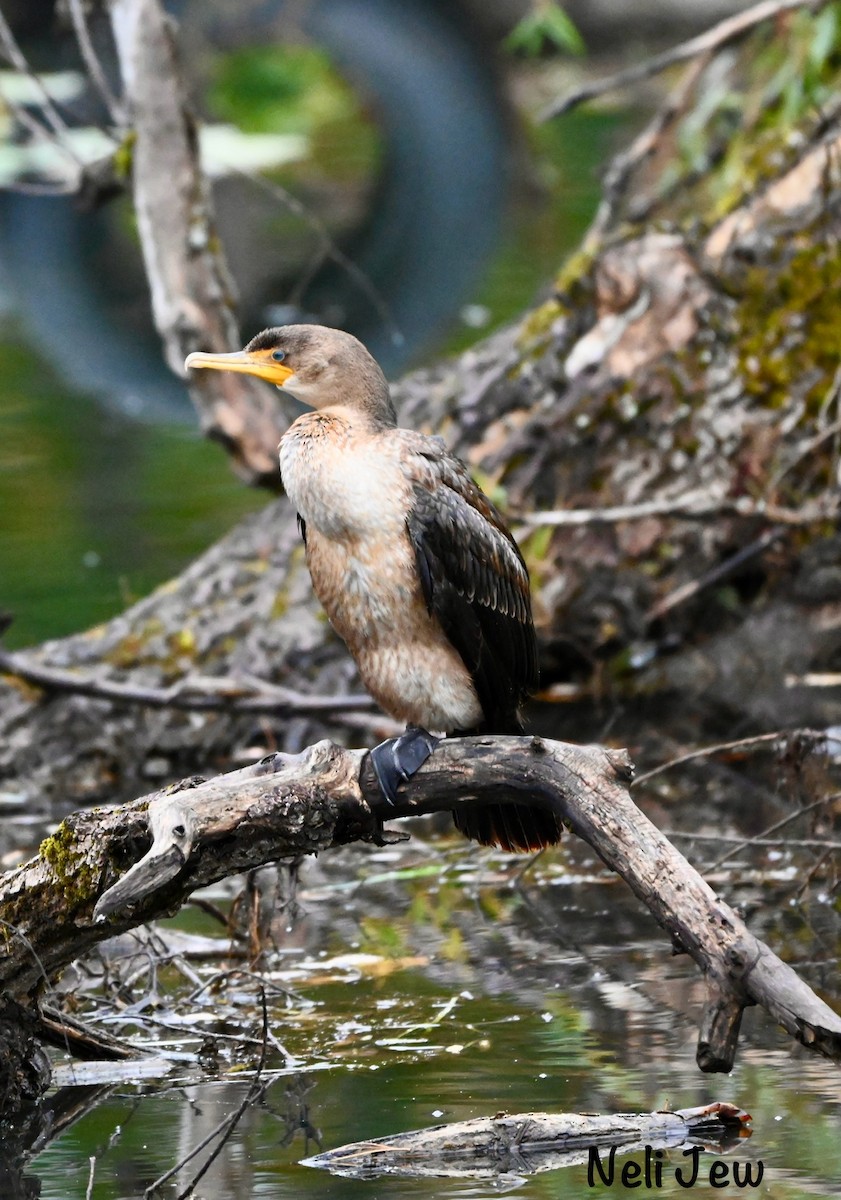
340 469
343 419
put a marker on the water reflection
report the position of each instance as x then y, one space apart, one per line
422 998
521 1068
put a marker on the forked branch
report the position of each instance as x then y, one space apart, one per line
99 874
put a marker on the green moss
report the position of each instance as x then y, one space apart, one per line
124 155
575 272
183 643
538 324
134 647
280 605
74 875
789 326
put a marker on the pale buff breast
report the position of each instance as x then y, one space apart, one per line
353 496
371 593
343 481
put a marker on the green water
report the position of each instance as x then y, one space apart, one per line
561 998
95 510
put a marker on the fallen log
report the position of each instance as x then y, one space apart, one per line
108 870
528 1143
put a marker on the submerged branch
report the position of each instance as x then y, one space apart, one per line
528 1143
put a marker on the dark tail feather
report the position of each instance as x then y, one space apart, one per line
510 826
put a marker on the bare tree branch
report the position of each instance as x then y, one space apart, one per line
288 805
197 694
93 65
695 507
17 59
712 39
192 290
815 736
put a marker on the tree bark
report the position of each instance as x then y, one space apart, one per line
192 292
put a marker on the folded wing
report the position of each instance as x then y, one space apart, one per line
477 586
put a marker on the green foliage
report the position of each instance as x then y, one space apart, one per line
746 119
277 89
296 90
546 28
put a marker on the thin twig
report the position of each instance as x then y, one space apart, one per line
220 977
712 39
616 178
330 250
34 127
45 189
193 694
812 444
17 59
692 507
715 575
225 1127
93 64
773 843
250 1097
761 739
813 871
89 1189
781 824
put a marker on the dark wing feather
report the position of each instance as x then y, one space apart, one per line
302 528
475 582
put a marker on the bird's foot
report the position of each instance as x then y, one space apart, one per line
397 759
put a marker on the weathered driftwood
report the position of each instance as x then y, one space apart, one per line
528 1143
87 883
192 293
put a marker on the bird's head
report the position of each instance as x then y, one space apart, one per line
320 366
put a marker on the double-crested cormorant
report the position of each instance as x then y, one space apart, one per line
411 561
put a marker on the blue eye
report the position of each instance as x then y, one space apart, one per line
278 355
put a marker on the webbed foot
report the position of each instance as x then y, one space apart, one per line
397 759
